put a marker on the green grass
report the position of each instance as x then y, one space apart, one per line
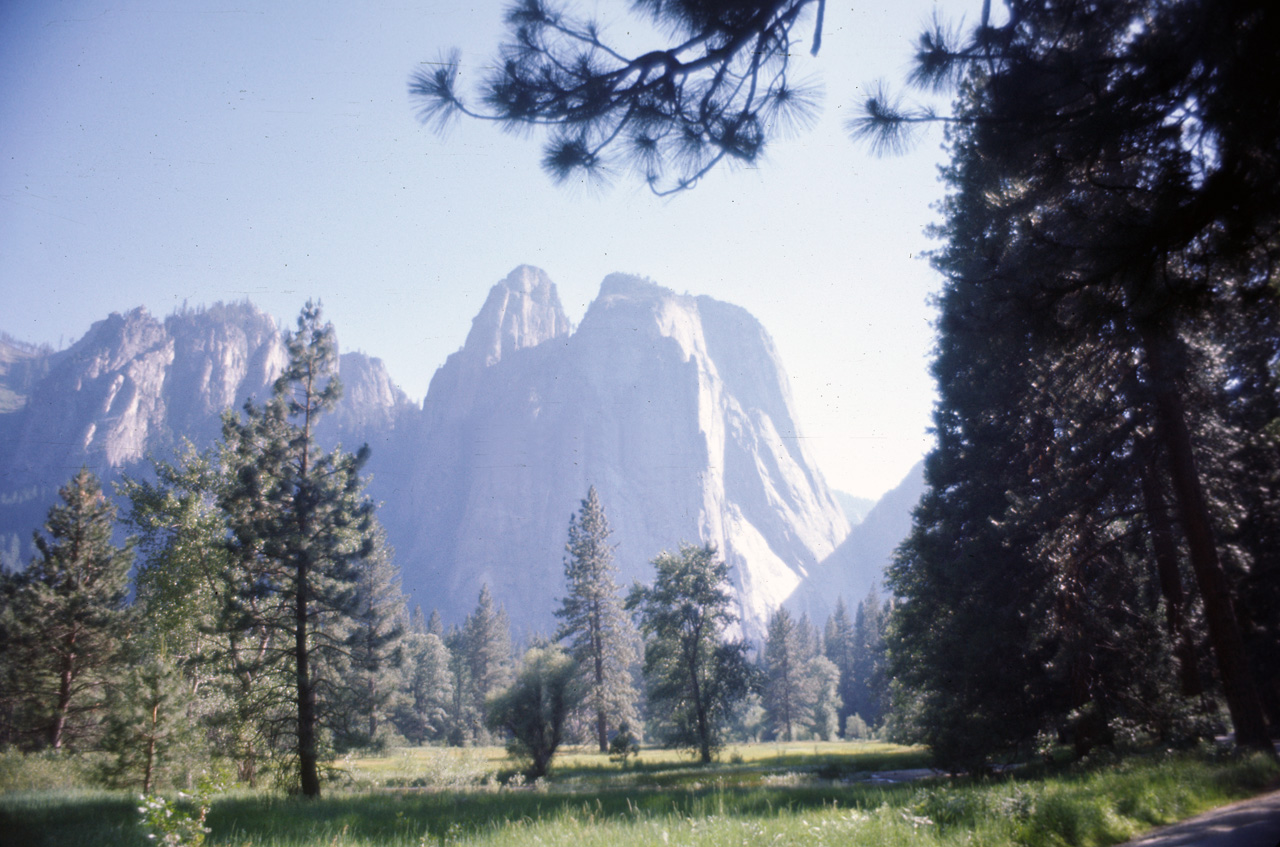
759 795
739 766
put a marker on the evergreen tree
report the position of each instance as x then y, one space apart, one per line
868 688
788 694
1098 236
695 677
601 636
149 731
838 647
422 713
462 714
302 534
65 619
370 665
485 650
670 115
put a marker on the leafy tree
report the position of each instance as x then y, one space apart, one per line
534 710
670 114
824 713
302 535
181 538
695 677
624 745
186 591
601 636
65 619
184 573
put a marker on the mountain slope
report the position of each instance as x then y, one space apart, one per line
859 562
676 408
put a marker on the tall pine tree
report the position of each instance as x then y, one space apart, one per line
600 635
302 534
66 619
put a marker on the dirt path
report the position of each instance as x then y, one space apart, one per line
1249 823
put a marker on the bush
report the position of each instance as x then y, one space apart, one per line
44 771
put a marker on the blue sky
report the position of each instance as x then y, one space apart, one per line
161 152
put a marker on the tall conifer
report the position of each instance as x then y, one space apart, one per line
302 533
601 636
67 617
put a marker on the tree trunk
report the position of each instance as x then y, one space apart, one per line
700 710
151 750
307 765
597 638
1238 684
67 676
1166 556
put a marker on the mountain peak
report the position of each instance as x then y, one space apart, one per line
521 311
632 287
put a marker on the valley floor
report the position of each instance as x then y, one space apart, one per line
801 794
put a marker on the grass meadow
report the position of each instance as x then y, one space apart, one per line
766 794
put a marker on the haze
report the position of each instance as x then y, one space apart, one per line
161 154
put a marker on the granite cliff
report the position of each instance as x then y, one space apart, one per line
675 407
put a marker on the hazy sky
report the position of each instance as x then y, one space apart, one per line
156 152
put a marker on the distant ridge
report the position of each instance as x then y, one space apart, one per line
676 408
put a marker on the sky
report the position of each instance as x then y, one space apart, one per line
159 153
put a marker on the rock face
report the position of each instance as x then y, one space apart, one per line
675 408
859 562
135 386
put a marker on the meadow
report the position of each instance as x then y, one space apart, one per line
763 794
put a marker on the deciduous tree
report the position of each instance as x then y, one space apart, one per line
532 712
695 675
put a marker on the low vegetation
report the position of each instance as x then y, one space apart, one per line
754 795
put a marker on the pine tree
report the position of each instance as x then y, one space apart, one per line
485 651
868 688
66 619
669 114
302 535
149 730
422 713
601 636
838 646
695 677
371 663
788 694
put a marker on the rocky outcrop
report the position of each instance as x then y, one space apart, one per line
134 387
675 408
